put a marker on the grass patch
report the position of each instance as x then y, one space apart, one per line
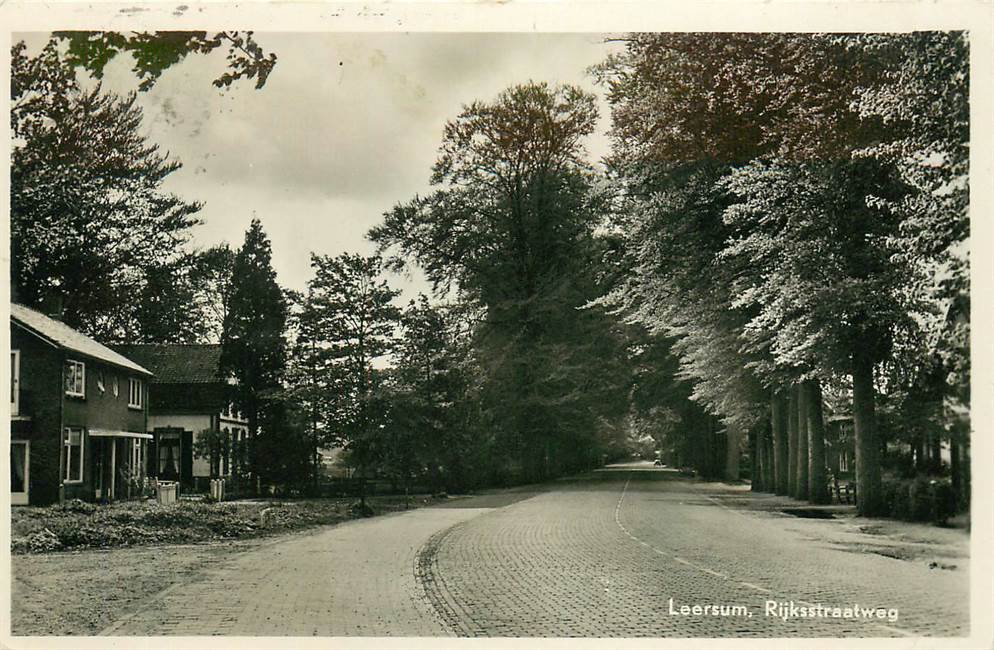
77 525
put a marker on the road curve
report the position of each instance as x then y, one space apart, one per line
609 554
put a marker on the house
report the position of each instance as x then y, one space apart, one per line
79 414
840 451
191 400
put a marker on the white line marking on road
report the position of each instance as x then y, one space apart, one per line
714 573
617 520
701 568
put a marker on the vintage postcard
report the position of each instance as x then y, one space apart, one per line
577 324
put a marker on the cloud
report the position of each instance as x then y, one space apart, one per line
347 126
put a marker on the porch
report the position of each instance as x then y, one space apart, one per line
118 464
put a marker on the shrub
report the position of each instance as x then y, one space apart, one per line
123 516
174 514
76 505
897 498
359 509
922 498
72 533
943 501
40 541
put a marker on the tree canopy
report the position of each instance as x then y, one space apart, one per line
154 52
89 220
782 199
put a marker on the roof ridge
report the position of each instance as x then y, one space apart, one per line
69 338
180 363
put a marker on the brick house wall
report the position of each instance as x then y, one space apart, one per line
40 413
45 410
190 394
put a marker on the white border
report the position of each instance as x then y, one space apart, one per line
683 15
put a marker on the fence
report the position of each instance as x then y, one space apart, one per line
354 487
235 488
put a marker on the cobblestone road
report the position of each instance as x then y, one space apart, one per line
611 554
605 556
354 579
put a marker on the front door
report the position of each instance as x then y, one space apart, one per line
20 461
169 454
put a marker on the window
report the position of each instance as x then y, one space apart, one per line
134 393
75 378
72 445
116 387
100 382
169 455
19 465
137 466
15 381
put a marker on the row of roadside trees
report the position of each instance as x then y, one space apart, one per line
780 233
793 212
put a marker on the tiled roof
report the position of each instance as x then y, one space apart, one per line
175 363
63 336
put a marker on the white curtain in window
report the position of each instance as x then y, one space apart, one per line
18 453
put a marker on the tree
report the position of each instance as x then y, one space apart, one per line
90 226
694 115
823 284
309 374
164 309
922 95
210 278
425 381
511 225
662 404
781 443
89 220
253 347
154 52
684 114
817 480
513 195
283 449
351 318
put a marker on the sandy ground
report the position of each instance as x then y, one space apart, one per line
80 593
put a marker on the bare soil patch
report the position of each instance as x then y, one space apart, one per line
125 554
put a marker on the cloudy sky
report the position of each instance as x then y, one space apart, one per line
347 126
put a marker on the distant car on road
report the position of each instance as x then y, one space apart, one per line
659 463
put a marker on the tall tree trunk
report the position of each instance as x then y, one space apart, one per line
802 442
769 477
733 451
935 443
955 466
792 441
868 492
963 436
921 465
780 443
817 481
758 460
